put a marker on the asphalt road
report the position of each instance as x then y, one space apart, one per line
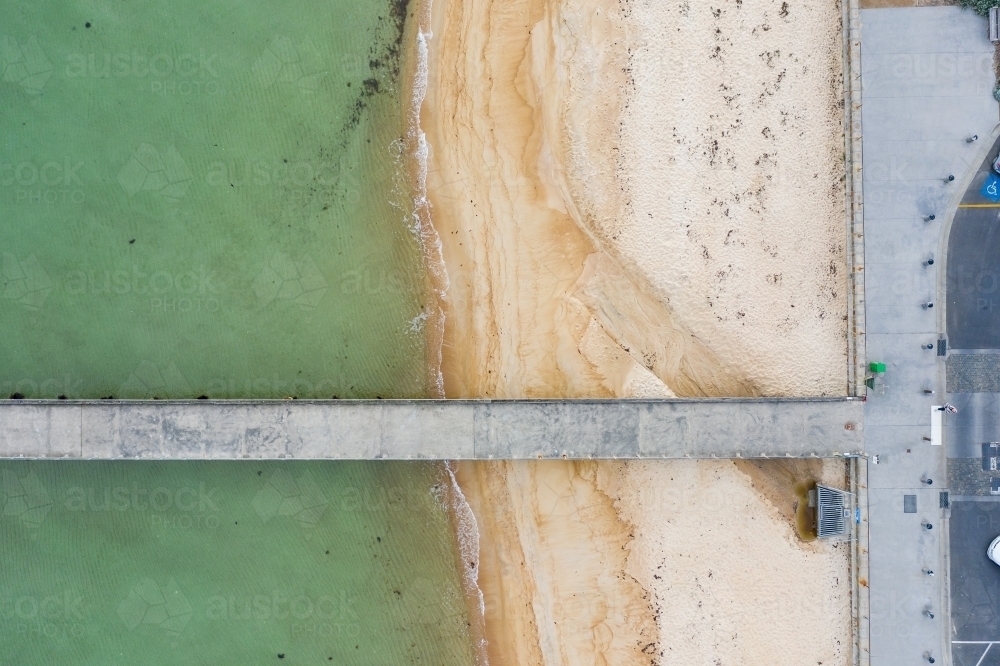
974 279
973 286
973 321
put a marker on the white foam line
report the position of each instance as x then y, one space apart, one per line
429 238
468 546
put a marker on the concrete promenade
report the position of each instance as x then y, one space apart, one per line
727 428
927 75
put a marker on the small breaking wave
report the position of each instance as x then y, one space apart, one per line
416 149
467 533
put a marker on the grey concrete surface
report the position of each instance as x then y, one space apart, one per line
899 588
899 468
433 429
927 76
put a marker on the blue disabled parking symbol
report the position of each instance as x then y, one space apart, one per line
991 188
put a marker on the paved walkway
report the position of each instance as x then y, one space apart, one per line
927 76
729 428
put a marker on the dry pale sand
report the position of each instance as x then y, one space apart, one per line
638 197
654 562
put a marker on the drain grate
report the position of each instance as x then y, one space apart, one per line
831 512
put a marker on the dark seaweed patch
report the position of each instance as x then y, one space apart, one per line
384 57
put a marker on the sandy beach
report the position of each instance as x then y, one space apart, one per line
638 198
655 562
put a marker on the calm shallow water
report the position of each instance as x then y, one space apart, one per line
141 563
206 199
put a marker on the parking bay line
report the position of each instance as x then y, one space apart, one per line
988 644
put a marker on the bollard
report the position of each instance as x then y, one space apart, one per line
929 572
929 345
930 218
972 139
928 305
926 525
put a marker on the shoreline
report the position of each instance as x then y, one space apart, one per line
468 538
415 149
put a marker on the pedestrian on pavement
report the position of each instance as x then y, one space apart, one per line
948 408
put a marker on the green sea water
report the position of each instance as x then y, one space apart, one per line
191 563
206 199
